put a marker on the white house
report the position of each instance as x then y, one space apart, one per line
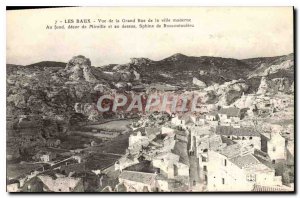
182 120
231 170
245 136
276 147
229 116
137 140
169 166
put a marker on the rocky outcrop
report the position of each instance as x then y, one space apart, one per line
263 87
273 85
79 68
199 83
228 92
87 109
140 61
265 69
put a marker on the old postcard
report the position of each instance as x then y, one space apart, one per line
150 99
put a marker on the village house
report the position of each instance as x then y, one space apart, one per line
61 183
232 169
229 116
182 120
276 147
168 165
126 161
137 141
198 120
211 116
170 185
245 136
212 119
45 156
205 143
138 181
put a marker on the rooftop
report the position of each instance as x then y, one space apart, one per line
245 161
230 111
140 177
243 131
258 188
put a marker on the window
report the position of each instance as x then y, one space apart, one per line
273 161
274 149
175 170
250 138
204 168
223 181
225 162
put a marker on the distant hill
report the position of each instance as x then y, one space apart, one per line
44 64
180 69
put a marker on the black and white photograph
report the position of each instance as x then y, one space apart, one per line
150 99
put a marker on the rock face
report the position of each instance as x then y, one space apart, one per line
273 85
140 61
266 69
79 68
87 109
263 87
56 91
228 92
199 83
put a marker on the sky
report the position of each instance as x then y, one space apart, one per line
231 32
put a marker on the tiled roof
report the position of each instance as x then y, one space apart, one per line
245 161
168 156
231 111
258 188
230 151
229 130
146 178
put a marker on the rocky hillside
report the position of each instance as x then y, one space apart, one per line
52 89
180 70
45 99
